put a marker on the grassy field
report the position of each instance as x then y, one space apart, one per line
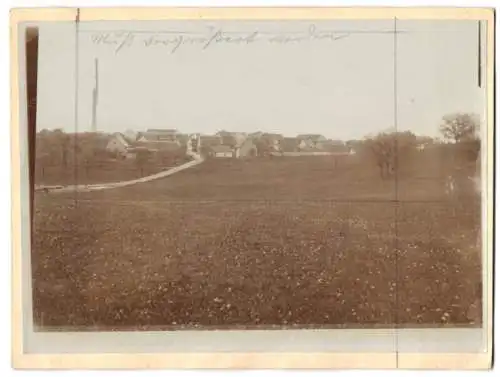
106 170
269 242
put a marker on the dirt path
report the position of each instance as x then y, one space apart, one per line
197 159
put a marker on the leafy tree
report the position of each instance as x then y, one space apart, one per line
59 143
463 157
459 127
264 146
462 129
425 140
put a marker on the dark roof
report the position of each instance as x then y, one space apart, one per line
310 136
333 146
157 135
229 140
333 142
289 144
158 145
271 136
235 140
210 140
161 131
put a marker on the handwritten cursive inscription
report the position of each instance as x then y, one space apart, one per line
174 40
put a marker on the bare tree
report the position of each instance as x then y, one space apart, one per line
381 148
264 147
388 149
60 143
459 127
143 158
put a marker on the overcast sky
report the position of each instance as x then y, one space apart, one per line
340 85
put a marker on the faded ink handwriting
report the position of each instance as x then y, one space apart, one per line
174 40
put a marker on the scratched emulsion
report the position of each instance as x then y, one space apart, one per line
337 183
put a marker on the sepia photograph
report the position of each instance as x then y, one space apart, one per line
256 174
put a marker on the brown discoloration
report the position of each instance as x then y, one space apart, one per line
213 254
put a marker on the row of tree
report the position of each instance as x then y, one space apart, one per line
387 149
57 148
87 151
390 150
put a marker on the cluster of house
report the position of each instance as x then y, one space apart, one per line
128 144
223 144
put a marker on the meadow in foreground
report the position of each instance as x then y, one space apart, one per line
238 244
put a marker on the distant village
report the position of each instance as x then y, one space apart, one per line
223 144
99 157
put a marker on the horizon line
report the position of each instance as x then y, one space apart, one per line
240 132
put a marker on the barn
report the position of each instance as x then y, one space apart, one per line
221 151
119 145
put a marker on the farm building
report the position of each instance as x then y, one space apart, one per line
120 145
124 147
158 135
274 139
227 144
210 140
420 147
334 147
313 137
354 146
229 133
131 135
162 152
308 141
159 146
269 142
207 142
329 144
221 151
290 144
290 147
232 139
